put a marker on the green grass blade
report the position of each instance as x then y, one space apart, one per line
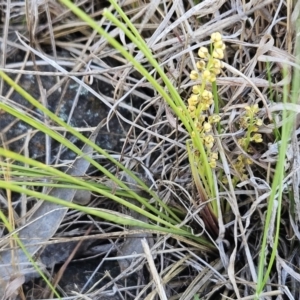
21 245
42 127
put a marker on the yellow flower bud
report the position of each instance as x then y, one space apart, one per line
201 119
219 45
201 65
224 180
244 177
214 119
194 75
193 100
242 142
255 108
259 122
217 63
203 52
212 77
248 161
257 138
196 89
209 141
206 127
213 164
216 37
244 122
209 145
192 108
205 105
218 53
207 95
214 155
206 75
216 71
198 125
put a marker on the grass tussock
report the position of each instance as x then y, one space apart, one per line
201 192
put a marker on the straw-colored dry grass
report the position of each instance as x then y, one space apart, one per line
259 36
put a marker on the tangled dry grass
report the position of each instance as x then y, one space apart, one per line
260 40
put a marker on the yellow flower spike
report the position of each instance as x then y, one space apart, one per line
218 53
203 52
216 37
201 65
194 75
205 75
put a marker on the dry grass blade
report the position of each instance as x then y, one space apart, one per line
157 279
